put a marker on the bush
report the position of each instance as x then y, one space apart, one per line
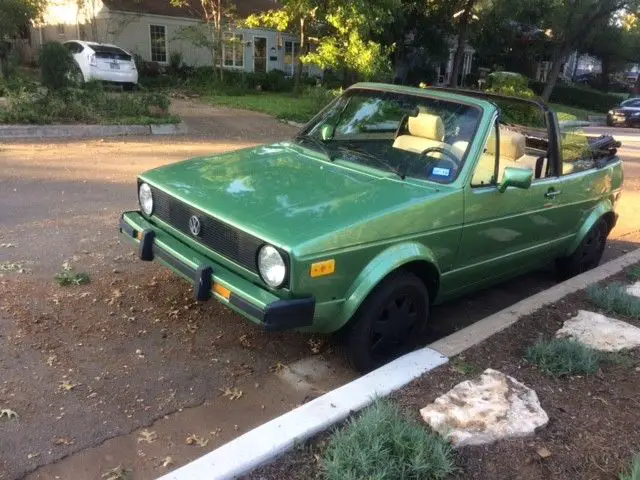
509 84
383 444
581 97
564 357
615 299
634 472
88 105
56 64
175 62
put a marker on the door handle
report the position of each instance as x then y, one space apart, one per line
552 193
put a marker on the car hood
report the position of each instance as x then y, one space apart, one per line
288 195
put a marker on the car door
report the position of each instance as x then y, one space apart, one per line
497 232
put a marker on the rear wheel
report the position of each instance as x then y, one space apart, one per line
587 255
389 323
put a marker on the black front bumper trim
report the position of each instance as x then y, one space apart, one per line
277 316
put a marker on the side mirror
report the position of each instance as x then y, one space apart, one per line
516 177
327 132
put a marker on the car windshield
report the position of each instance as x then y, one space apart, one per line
410 135
109 52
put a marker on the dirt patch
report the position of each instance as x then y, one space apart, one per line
592 432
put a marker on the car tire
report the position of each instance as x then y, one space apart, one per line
391 321
587 255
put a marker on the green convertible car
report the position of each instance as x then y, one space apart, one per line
390 200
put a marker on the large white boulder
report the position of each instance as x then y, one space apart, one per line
493 407
600 332
634 289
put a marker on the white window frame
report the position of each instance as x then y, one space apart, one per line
166 44
234 45
294 64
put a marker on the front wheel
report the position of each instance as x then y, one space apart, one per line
389 323
587 255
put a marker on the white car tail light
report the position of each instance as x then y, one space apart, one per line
93 61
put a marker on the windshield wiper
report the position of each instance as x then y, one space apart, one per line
351 148
317 143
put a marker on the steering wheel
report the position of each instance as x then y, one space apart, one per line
447 153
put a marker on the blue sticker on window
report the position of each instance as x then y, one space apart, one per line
441 172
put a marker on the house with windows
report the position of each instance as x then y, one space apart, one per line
154 30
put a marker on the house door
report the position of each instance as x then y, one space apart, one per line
259 54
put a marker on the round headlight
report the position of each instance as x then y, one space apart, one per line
272 267
146 198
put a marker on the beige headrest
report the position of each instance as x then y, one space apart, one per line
426 126
512 144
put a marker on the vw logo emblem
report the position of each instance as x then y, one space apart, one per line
194 226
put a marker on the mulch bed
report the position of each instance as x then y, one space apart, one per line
594 426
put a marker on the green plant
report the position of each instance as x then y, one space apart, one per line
582 97
561 357
175 61
615 299
634 472
68 278
383 444
56 64
634 274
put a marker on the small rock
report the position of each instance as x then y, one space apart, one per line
481 411
543 452
600 332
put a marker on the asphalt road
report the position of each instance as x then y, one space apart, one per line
89 368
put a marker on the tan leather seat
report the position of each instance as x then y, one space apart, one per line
512 149
425 131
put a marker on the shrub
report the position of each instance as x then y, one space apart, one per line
615 299
634 472
383 444
68 278
634 274
510 84
561 357
175 61
581 97
56 64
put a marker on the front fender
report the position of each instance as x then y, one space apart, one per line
604 207
382 265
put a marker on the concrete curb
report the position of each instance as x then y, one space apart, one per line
281 434
461 340
272 439
88 131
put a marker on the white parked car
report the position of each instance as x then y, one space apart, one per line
98 61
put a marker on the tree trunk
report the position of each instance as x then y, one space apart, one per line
560 53
463 35
575 67
606 68
299 65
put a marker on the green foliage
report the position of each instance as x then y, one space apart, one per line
56 64
175 61
564 357
69 278
285 106
634 471
383 444
510 84
634 274
581 97
614 299
88 105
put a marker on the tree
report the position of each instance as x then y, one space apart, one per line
466 15
296 16
346 39
611 44
215 14
570 21
14 15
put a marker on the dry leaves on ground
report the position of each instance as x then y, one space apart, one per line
232 393
7 412
196 440
147 436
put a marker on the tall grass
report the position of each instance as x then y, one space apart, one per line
383 444
615 299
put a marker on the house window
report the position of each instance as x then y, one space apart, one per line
233 50
158 35
291 54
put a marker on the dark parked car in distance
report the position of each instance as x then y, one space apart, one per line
627 114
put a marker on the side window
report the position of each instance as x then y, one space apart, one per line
576 154
487 166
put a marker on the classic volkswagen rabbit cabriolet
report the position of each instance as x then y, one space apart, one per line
391 199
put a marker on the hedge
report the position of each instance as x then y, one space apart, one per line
580 97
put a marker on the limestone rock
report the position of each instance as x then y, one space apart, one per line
634 289
600 332
493 407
